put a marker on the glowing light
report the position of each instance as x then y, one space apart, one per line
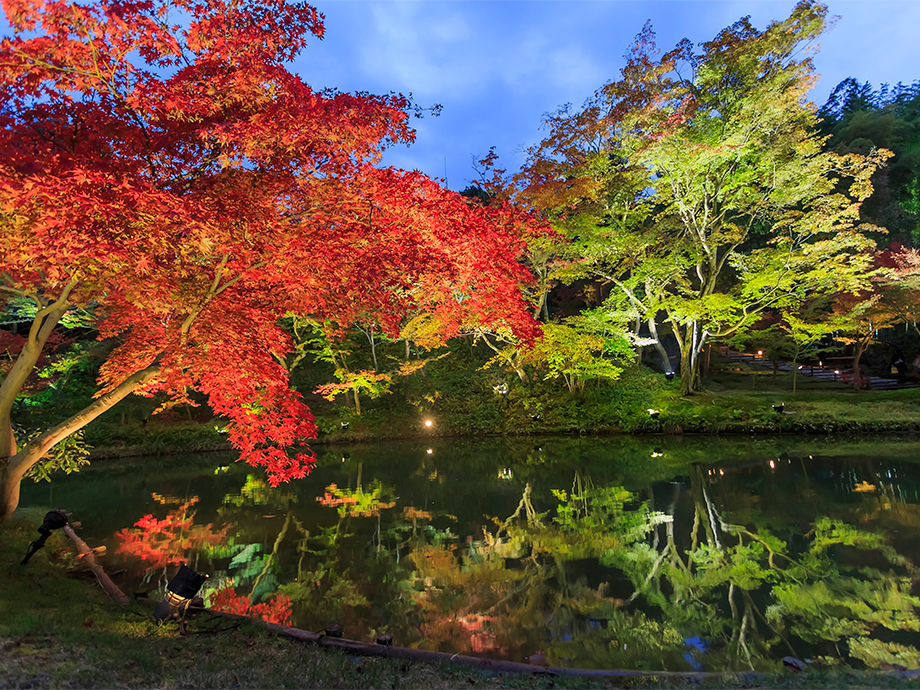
722 473
430 451
772 465
428 423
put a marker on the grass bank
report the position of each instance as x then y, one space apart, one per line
733 403
59 630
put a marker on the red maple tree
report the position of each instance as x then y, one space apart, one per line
159 163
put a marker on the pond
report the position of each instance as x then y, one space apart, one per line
673 553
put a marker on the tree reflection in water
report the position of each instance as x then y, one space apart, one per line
743 566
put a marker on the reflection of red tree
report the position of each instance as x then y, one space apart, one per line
171 540
481 640
278 610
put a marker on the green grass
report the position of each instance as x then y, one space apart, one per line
59 630
729 405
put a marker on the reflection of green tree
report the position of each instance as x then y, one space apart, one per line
736 573
364 585
821 595
541 601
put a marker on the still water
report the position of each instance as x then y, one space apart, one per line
666 554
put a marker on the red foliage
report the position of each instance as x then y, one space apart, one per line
173 539
196 191
278 610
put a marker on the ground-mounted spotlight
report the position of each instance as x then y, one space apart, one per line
333 630
535 417
344 425
657 453
386 639
653 413
428 423
669 376
179 594
779 407
429 451
345 456
501 388
54 519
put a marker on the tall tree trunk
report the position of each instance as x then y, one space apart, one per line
15 467
691 344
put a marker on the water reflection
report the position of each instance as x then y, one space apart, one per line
665 556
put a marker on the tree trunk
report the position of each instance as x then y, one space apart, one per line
16 466
665 359
691 346
42 326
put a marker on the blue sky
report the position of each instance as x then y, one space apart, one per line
497 67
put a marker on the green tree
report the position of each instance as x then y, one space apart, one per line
704 170
859 118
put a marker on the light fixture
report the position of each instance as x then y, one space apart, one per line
428 423
535 417
179 594
501 388
772 465
669 376
430 451
779 407
653 413
344 425
54 519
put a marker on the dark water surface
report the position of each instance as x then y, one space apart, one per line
672 553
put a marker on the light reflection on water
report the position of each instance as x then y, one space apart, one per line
670 553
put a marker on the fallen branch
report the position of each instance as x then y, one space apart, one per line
87 554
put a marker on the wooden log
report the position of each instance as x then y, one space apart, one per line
424 655
86 554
